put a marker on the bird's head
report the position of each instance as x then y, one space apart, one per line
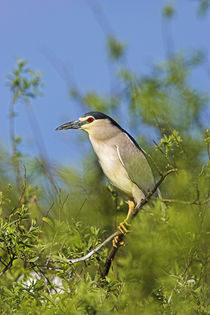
96 124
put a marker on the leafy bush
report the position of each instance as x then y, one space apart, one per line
45 230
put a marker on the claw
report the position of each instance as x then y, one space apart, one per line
116 243
122 227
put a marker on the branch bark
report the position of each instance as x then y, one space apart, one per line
121 236
114 250
75 260
9 265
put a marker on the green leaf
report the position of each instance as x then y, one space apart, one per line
48 221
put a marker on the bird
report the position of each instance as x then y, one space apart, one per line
122 160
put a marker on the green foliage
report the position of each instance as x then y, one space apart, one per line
116 49
93 101
168 11
164 266
203 6
24 82
165 95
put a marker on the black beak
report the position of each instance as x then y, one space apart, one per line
70 125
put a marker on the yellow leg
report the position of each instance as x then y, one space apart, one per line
123 227
131 208
116 242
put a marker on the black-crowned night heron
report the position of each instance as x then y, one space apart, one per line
121 158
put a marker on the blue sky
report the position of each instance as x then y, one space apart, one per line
40 30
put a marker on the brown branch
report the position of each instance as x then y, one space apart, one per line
164 154
113 250
111 256
150 193
178 143
43 157
83 258
2 262
155 164
34 266
9 265
195 202
121 236
22 194
16 163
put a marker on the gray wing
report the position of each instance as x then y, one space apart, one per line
136 165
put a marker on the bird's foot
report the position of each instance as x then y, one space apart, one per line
116 242
123 227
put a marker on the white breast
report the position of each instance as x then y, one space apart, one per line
112 166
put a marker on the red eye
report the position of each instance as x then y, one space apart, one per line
90 119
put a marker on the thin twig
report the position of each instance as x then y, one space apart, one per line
83 258
157 122
155 164
100 17
9 265
113 250
15 160
195 202
150 193
34 266
178 143
20 200
68 78
164 154
167 37
2 262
